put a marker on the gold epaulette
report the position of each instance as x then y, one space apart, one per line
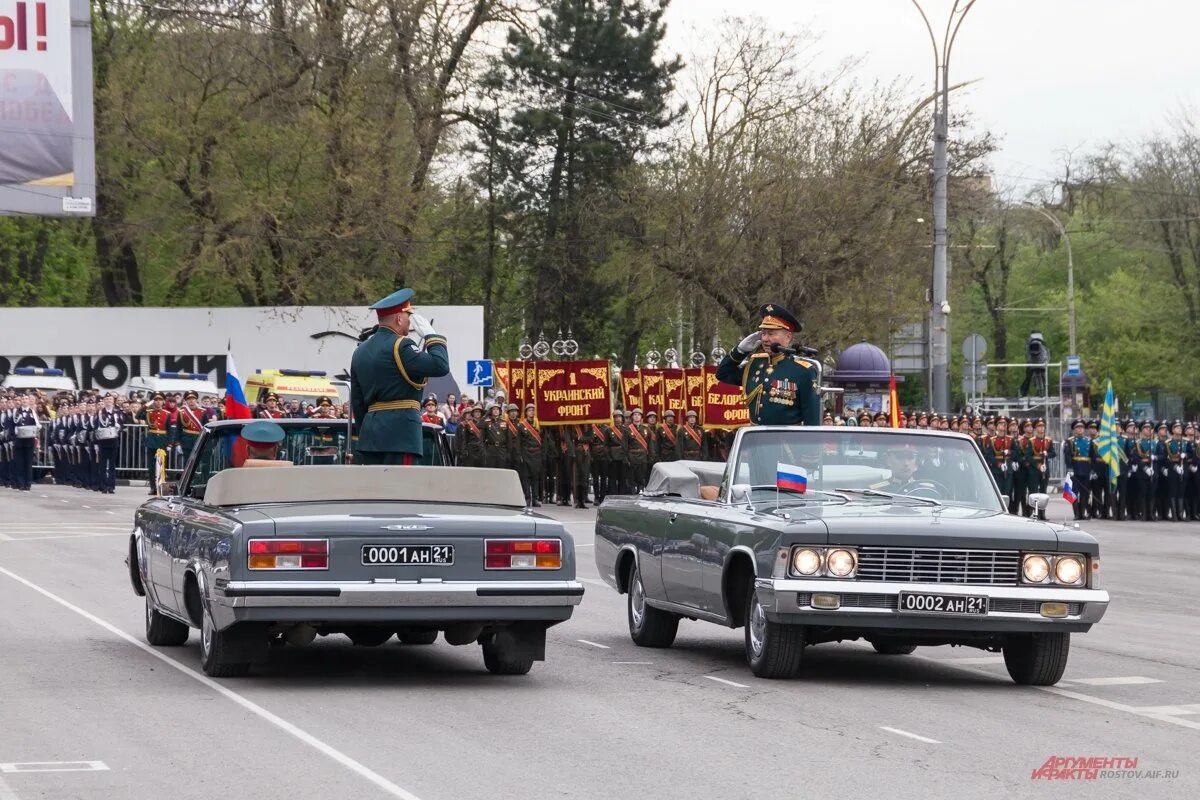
805 362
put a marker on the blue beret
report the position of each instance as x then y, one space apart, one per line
263 432
394 300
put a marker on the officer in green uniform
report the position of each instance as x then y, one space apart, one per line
550 462
469 439
495 439
580 465
652 440
637 443
530 443
780 388
668 435
388 374
690 442
618 453
600 461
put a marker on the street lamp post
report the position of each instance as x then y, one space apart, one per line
1070 274
939 324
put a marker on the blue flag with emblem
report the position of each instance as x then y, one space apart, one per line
1106 443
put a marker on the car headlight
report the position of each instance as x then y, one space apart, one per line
1068 569
840 563
1035 568
806 561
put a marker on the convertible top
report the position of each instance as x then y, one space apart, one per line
684 478
316 484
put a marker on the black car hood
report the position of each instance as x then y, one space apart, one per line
910 524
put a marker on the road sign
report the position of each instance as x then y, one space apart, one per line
1073 367
479 373
974 347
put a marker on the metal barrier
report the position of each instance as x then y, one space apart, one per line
131 452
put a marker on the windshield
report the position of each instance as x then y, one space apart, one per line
867 466
314 443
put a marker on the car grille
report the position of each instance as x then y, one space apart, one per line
996 604
938 565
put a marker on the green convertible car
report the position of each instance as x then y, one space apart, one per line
810 535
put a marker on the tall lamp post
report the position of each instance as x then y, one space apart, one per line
939 323
1070 274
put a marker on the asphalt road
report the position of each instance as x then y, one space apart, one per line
87 710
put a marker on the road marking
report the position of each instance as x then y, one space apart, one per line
727 683
577 545
6 792
1131 680
111 512
4 538
641 663
594 644
254 708
595 581
918 737
45 495
1171 711
60 536
55 766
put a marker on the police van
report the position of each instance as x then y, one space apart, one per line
304 385
45 379
175 383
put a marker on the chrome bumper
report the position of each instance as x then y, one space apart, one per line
779 598
398 594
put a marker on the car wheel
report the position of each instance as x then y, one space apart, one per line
505 660
368 636
773 650
648 626
416 636
162 631
1036 659
214 644
893 648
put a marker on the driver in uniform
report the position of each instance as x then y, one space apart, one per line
901 459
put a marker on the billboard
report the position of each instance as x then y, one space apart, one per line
47 146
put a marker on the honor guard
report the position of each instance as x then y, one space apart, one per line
108 429
638 443
618 451
999 456
388 374
668 436
581 461
1077 453
469 440
652 440
191 424
159 436
1191 484
530 439
24 425
1162 488
1122 509
271 409
691 438
781 388
601 456
1176 452
1143 473
515 459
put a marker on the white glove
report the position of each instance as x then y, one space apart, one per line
750 343
1004 467
1042 468
1179 470
1149 471
420 325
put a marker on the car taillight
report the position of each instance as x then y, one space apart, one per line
522 553
288 554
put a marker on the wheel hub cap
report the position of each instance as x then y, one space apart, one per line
637 603
757 627
206 632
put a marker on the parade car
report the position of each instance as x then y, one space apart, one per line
259 547
813 535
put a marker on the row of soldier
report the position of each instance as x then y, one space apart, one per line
575 463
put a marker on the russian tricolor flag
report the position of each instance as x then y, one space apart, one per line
1068 490
791 477
235 397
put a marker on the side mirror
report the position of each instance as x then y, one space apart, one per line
1039 500
168 489
739 493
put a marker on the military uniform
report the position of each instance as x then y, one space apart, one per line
999 456
469 442
1176 453
580 437
24 425
388 374
668 438
159 436
716 444
1101 488
618 452
780 388
690 440
530 443
601 457
191 425
637 443
1077 453
495 441
1143 459
1041 451
1162 490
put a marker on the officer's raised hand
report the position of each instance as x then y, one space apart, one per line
420 325
750 343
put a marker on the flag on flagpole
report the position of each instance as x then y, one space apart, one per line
1106 443
791 477
1068 490
893 402
236 406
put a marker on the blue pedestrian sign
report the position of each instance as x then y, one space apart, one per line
479 373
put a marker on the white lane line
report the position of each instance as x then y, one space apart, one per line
1131 680
254 708
918 737
727 683
4 538
594 644
640 663
6 792
111 512
61 536
578 545
1170 711
55 766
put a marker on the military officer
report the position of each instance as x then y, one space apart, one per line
550 438
159 436
716 444
108 429
530 442
495 439
24 423
1077 453
668 435
388 373
999 457
637 441
618 451
1143 458
600 456
581 440
652 440
191 424
1100 489
1162 489
1191 483
901 460
469 439
271 409
515 459
1176 452
690 439
780 388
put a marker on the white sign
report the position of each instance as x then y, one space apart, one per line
103 348
77 205
1073 366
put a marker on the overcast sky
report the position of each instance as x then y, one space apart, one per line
1053 74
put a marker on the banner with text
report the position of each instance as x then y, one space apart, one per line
653 392
631 389
516 380
674 393
573 392
724 403
694 377
500 382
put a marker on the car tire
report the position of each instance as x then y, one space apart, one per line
893 648
648 626
773 649
502 660
161 630
368 636
1036 659
214 646
416 636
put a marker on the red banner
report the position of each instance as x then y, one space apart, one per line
653 391
724 404
631 389
530 382
573 392
516 379
500 372
674 393
694 376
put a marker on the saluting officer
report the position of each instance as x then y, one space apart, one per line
780 388
388 373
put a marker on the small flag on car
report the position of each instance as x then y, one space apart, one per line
1068 490
791 477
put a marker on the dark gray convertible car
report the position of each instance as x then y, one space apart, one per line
811 535
258 548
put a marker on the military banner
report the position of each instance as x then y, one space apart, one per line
653 392
694 379
530 382
573 392
516 380
631 389
674 393
500 375
724 403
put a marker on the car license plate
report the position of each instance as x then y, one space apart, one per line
921 603
406 555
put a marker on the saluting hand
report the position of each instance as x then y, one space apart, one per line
750 343
420 325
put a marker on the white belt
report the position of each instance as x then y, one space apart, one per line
27 431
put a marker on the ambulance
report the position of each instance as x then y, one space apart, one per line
44 379
179 383
307 386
